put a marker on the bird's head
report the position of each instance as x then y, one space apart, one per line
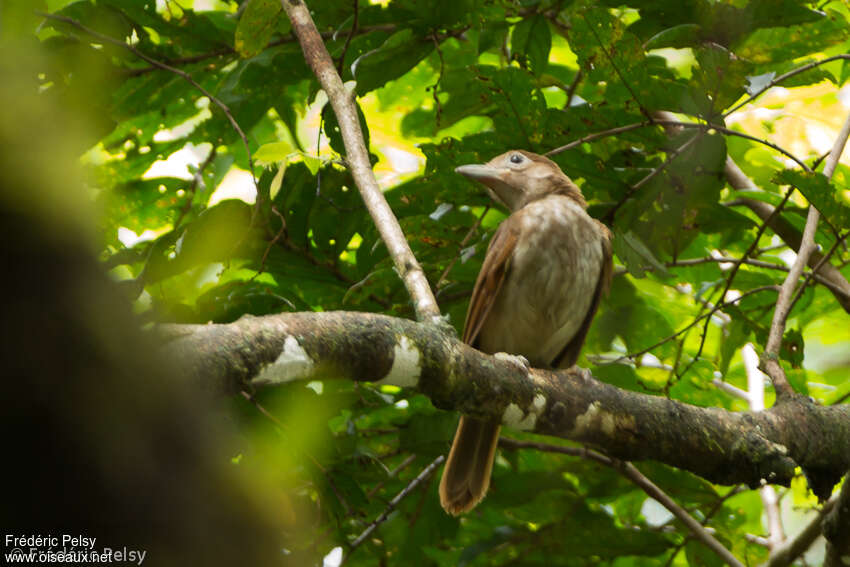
518 177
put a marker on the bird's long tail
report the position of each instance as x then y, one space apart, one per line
467 473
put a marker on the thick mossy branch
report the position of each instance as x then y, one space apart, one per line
719 445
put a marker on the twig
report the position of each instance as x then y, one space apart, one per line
357 156
392 474
751 262
463 242
735 490
813 274
733 391
720 305
729 279
353 31
729 132
571 92
836 526
839 286
438 107
785 555
165 67
289 38
592 28
697 529
770 359
426 472
755 387
706 126
733 272
597 135
782 78
629 471
315 462
671 155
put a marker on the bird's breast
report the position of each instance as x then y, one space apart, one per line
551 280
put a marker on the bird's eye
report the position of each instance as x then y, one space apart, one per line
516 158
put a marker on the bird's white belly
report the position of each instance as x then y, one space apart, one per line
550 284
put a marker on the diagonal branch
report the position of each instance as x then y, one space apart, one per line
836 526
833 279
631 473
426 472
789 551
770 359
357 156
783 77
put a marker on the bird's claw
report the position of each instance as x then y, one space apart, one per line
516 359
583 374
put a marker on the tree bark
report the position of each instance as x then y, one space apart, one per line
722 446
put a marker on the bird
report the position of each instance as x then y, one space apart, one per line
541 281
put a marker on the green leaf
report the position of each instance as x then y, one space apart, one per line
833 204
636 256
331 128
398 55
273 152
683 35
775 44
531 42
256 26
720 77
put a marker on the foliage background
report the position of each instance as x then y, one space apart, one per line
192 238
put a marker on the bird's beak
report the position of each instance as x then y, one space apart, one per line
496 180
483 173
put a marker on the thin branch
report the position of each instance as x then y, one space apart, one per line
631 472
786 554
783 77
610 57
438 106
838 284
814 273
463 242
729 132
755 387
230 51
707 126
770 359
733 391
282 427
671 156
735 490
836 526
731 277
720 305
699 532
571 91
751 262
351 34
165 67
426 472
393 473
597 135
357 156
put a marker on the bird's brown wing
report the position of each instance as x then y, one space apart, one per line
569 355
470 461
490 278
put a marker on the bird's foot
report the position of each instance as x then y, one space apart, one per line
516 359
582 373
